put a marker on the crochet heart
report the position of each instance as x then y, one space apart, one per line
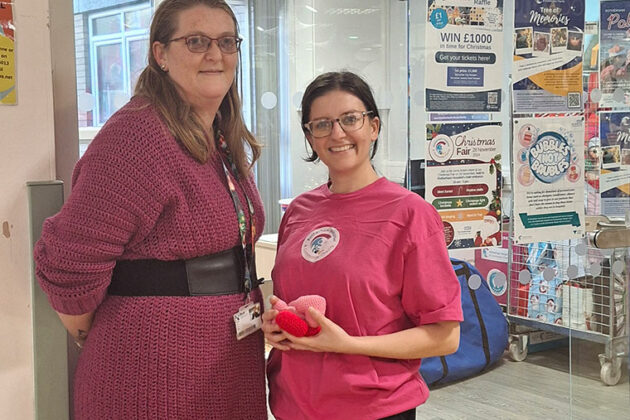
295 318
292 323
302 304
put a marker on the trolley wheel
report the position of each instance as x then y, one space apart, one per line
518 352
610 374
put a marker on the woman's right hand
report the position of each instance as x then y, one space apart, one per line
273 334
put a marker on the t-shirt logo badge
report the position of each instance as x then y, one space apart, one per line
319 243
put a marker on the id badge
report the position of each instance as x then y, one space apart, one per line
247 320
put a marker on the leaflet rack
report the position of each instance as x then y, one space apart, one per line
575 288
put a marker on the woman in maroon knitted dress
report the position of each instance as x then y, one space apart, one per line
166 180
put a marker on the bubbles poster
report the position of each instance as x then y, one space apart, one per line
463 181
548 173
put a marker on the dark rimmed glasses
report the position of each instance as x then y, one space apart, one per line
350 121
201 43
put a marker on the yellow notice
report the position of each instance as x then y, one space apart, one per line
7 71
7 54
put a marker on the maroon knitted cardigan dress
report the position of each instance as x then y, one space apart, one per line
138 194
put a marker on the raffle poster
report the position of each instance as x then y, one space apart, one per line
464 45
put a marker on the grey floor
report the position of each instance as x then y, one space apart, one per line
541 387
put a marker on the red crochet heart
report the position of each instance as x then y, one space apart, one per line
312 331
292 324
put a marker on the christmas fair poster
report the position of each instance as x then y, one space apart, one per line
614 53
464 44
614 159
463 181
547 67
548 178
7 54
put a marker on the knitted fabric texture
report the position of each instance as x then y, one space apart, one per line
137 194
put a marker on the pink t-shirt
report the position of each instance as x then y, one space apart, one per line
379 258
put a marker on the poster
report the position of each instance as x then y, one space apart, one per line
615 192
548 171
614 159
463 181
614 74
7 54
547 67
464 59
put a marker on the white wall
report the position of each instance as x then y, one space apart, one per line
368 37
27 153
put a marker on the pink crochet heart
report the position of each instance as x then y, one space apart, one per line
302 304
292 316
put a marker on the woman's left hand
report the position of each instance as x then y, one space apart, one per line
331 338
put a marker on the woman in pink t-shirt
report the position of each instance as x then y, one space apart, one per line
376 252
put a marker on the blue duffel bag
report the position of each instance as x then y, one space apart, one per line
483 333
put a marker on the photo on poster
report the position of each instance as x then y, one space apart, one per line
611 157
625 159
559 38
548 187
524 40
541 43
575 41
463 181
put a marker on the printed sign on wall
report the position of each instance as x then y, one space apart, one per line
7 54
464 43
615 163
547 68
614 42
548 171
463 181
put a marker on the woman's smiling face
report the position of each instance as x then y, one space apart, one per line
343 152
202 79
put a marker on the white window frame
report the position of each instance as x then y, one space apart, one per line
123 37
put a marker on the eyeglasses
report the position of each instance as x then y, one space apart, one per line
350 121
201 43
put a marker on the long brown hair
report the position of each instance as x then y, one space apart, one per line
182 121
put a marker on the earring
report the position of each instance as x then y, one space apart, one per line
163 67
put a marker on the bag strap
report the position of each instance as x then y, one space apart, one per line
465 270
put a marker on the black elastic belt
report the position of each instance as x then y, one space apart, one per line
215 274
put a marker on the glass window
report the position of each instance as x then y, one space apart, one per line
138 19
106 25
111 51
110 79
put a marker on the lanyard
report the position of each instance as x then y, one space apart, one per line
231 178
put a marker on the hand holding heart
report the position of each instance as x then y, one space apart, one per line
295 318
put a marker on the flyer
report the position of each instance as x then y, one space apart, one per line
615 192
463 55
547 67
614 42
463 181
614 131
7 54
548 179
